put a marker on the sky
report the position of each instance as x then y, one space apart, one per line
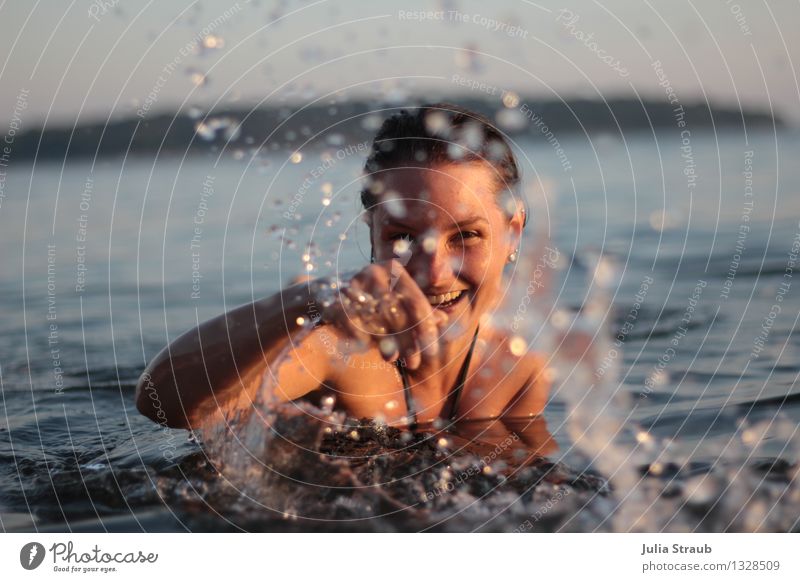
63 63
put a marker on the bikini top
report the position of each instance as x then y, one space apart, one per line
455 394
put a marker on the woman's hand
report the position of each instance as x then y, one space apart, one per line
382 305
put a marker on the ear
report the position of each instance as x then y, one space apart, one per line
515 226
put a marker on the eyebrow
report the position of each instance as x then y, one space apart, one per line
459 225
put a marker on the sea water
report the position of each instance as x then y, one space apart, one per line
667 307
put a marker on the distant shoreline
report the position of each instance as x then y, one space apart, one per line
328 124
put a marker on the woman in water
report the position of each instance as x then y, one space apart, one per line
409 338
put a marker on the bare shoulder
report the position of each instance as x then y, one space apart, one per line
499 348
526 386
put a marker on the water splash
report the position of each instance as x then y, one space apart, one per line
304 461
214 127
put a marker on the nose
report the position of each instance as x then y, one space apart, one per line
432 266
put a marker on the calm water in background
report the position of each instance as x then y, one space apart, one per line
162 254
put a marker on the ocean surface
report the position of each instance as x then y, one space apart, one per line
669 317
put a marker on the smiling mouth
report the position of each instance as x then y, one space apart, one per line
446 300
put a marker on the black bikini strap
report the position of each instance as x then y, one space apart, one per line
407 394
455 394
462 376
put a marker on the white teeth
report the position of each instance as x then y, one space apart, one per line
438 299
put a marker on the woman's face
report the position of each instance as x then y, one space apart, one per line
445 225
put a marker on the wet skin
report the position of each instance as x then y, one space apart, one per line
456 238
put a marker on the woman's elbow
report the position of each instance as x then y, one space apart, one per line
152 402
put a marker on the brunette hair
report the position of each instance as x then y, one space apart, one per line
435 134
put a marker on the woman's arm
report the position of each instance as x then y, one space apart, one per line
218 367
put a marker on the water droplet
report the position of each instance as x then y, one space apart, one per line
455 151
197 77
511 119
497 150
204 131
372 122
468 59
296 157
659 378
560 319
661 220
437 124
510 99
301 320
209 129
213 42
518 346
375 187
429 244
700 489
604 272
472 136
335 139
397 96
393 205
402 249
750 436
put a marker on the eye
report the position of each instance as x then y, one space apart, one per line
466 235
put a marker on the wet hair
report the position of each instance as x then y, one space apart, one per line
440 133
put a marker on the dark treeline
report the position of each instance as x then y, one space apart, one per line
293 126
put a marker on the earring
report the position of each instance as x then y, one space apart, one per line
512 258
